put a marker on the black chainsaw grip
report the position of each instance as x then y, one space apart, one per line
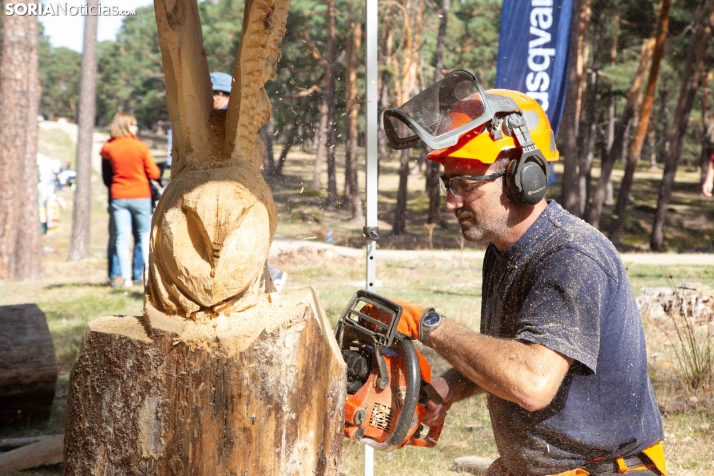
411 398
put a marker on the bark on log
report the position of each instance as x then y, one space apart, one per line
242 394
42 453
28 373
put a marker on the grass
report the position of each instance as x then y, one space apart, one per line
694 352
73 293
57 144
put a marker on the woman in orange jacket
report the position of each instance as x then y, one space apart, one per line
131 167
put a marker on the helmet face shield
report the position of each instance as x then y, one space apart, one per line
438 115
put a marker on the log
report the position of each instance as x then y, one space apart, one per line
241 394
693 301
42 453
28 373
9 444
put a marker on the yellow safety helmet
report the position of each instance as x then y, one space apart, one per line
457 118
480 144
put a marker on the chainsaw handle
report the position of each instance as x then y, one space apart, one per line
431 438
411 399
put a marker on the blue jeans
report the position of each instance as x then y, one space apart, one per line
131 216
113 259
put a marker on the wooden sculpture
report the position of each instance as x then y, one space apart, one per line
219 376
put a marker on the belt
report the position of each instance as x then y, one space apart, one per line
649 461
621 465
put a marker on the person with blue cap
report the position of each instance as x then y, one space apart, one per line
221 84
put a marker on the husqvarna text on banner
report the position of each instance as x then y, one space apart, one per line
533 51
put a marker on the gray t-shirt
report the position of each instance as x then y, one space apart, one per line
564 286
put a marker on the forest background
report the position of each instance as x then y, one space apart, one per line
317 93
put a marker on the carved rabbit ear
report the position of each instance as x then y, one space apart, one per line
256 62
188 86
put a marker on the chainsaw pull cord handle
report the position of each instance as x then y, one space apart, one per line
411 398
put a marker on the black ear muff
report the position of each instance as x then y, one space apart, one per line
526 179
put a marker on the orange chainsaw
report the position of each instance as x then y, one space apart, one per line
388 380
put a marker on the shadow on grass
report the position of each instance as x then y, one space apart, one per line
127 292
77 285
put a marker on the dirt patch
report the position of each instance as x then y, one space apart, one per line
311 255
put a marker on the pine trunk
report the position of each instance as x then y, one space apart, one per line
586 156
28 254
400 219
351 189
581 65
82 204
320 141
432 168
413 22
570 119
386 77
691 77
433 193
331 201
267 134
610 114
651 139
706 127
18 170
290 139
608 162
633 157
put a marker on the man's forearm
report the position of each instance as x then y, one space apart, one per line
460 387
526 374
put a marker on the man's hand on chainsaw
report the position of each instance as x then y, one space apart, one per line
435 413
408 323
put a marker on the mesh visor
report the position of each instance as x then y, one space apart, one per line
439 114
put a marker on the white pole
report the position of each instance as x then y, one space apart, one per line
370 229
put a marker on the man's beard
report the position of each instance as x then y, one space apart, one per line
481 228
471 230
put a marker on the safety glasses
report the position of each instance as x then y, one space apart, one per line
460 185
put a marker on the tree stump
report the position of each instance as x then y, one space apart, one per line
252 393
28 373
219 376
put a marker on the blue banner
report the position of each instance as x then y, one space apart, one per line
533 51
